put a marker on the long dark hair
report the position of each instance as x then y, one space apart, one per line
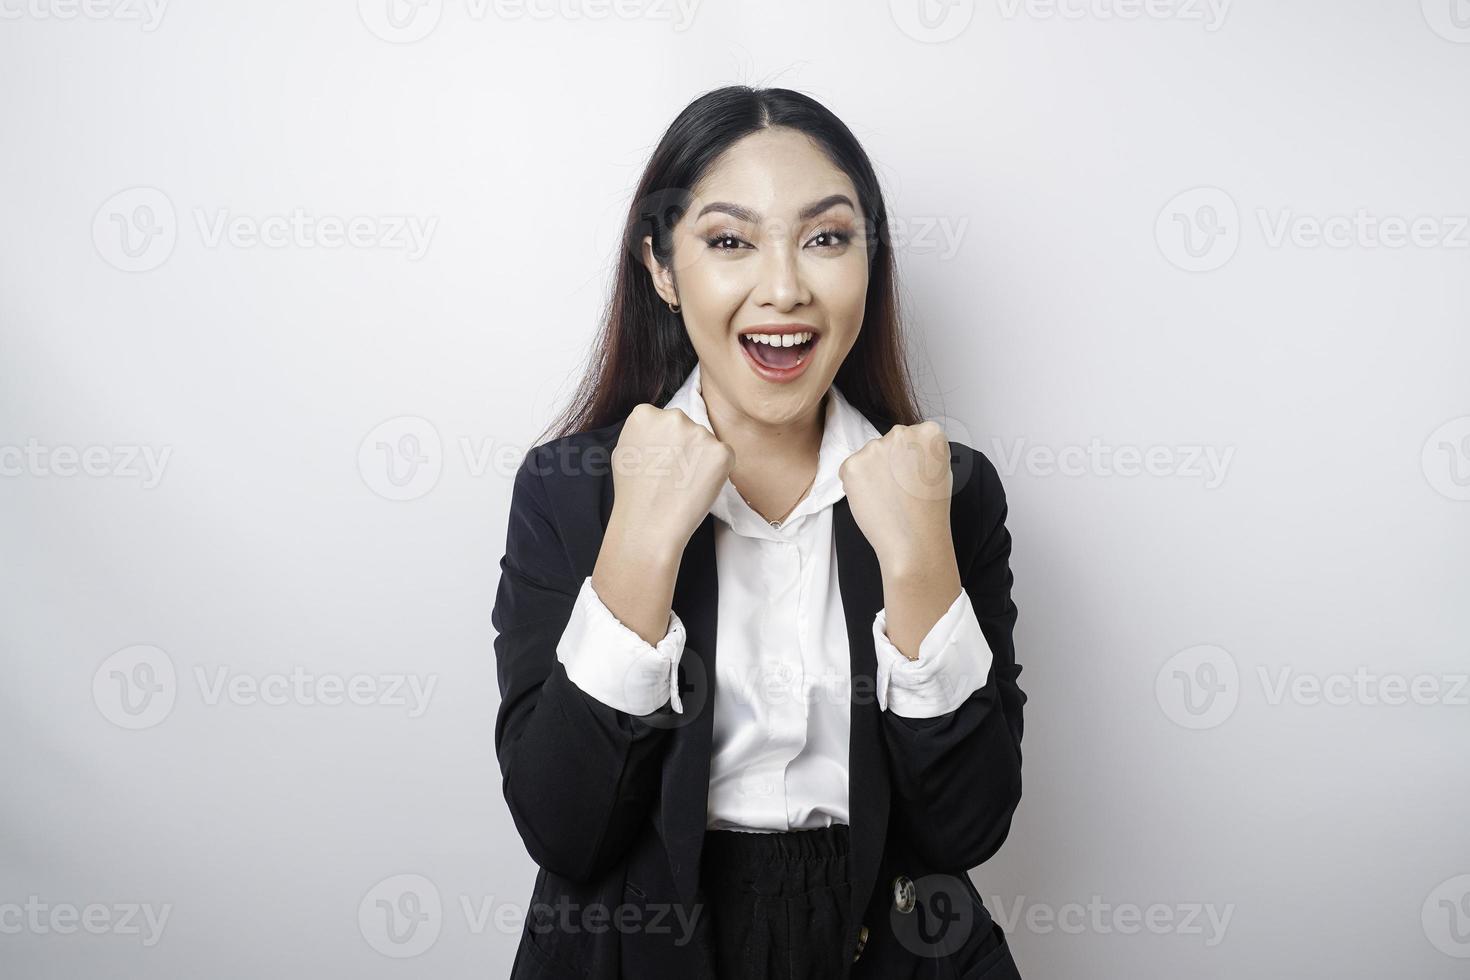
643 352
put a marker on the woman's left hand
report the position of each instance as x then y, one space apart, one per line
899 487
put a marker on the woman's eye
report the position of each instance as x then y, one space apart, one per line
716 241
835 239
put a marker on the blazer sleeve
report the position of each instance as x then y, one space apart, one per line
957 776
579 776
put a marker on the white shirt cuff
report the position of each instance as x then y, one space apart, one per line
615 665
953 663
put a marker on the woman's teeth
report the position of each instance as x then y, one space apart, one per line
780 339
779 350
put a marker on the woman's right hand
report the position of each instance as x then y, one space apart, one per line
667 471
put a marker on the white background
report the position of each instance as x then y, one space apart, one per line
1110 208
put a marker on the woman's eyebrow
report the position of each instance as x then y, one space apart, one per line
746 214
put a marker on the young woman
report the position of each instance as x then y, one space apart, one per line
760 710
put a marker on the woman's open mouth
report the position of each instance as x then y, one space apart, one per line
779 356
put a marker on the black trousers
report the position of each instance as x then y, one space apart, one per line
776 904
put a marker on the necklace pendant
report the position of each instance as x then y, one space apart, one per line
775 524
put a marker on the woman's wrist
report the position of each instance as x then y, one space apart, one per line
645 549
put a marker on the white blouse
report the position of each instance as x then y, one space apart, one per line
783 674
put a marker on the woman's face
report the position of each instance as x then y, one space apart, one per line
773 241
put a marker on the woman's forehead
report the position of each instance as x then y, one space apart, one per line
774 175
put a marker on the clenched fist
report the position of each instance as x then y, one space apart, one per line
898 488
667 471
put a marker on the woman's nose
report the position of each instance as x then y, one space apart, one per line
782 284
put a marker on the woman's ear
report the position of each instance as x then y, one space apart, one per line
663 279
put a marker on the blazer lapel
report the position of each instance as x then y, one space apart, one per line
685 794
860 582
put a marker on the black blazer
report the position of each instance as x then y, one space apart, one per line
612 806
